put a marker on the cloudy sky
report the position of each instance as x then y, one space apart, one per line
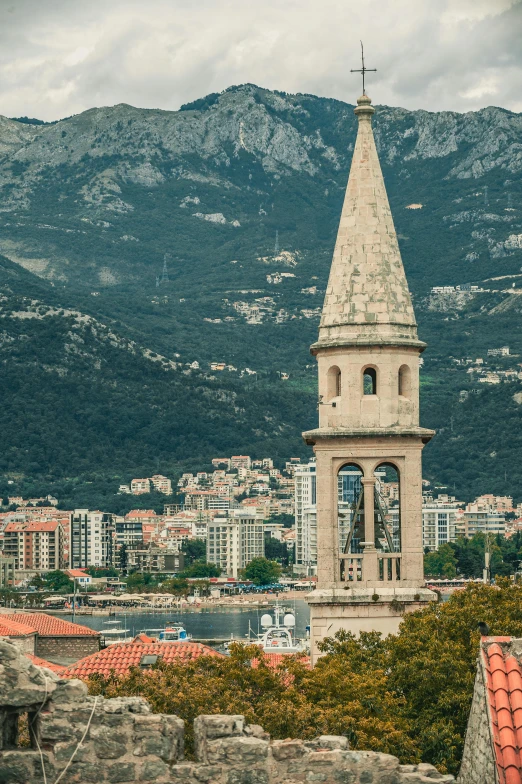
60 57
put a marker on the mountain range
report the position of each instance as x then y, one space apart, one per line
205 236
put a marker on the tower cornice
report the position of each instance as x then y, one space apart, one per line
311 437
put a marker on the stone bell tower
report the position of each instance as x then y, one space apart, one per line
368 444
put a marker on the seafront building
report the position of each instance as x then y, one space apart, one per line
35 546
233 540
305 519
91 539
439 524
484 522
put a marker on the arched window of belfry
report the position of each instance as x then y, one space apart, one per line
333 383
350 517
404 381
387 509
369 381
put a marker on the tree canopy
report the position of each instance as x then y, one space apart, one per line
262 571
194 550
408 694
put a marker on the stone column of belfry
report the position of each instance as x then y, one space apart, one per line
367 333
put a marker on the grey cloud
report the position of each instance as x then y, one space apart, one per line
59 57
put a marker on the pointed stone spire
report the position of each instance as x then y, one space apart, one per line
367 300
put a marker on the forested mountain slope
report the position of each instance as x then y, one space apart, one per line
79 398
241 194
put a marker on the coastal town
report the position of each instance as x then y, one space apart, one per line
223 561
244 508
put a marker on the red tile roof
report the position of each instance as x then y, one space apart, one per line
11 628
504 687
34 527
57 668
119 658
49 626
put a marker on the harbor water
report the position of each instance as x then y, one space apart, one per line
209 623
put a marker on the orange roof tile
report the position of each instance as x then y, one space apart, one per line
119 658
49 626
273 660
504 686
11 628
57 668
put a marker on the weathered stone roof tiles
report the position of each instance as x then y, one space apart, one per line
367 285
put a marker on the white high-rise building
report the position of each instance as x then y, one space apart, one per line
91 539
438 524
235 539
305 519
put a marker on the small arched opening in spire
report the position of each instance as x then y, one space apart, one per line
369 381
350 520
333 383
404 381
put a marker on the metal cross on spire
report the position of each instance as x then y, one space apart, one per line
362 70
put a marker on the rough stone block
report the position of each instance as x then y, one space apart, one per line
126 705
174 731
88 772
64 751
71 691
121 772
107 743
56 730
153 770
211 727
22 767
247 777
207 774
180 774
288 749
242 751
256 731
329 742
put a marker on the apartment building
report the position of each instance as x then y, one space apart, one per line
91 539
128 532
305 518
233 540
200 500
161 484
241 461
471 523
35 545
438 524
140 486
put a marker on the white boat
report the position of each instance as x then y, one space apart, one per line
113 632
172 632
278 637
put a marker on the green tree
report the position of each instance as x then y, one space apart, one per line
276 550
287 520
441 563
262 571
122 557
100 571
194 550
178 586
58 581
201 569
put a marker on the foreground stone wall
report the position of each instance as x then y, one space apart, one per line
79 739
478 762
